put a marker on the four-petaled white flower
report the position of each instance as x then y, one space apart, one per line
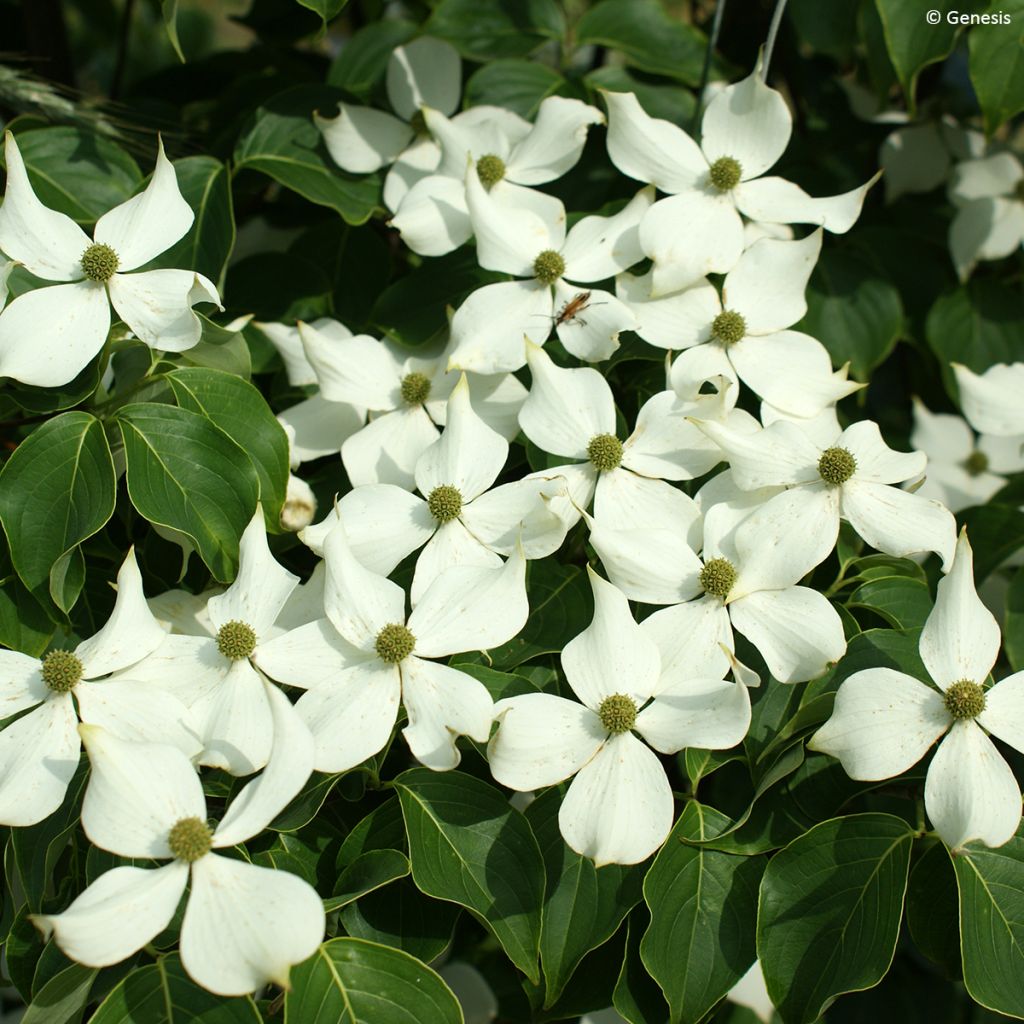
48 335
244 926
885 721
991 400
629 677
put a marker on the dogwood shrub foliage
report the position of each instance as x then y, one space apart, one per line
507 517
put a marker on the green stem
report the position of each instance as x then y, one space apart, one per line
773 31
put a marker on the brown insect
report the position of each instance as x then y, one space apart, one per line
570 311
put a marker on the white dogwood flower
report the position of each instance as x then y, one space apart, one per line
407 398
698 230
851 479
489 327
365 656
48 335
214 676
629 679
244 926
425 72
509 155
39 752
991 400
989 222
457 521
885 721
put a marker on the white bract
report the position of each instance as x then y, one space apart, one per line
214 676
365 656
39 752
509 156
850 479
244 926
629 678
425 72
489 328
407 398
991 401
989 222
48 335
458 521
885 721
699 230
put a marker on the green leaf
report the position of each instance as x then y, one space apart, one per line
499 684
647 36
830 29
932 913
162 993
467 845
996 532
992 923
853 311
205 183
56 490
997 65
904 602
583 907
364 58
327 9
24 625
369 871
218 349
285 144
242 413
485 30
185 473
703 908
913 42
669 102
517 85
351 981
169 10
77 172
637 996
829 911
63 998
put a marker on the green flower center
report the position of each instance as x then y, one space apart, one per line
836 466
605 452
445 503
415 388
549 266
236 640
490 170
394 643
976 463
964 699
99 262
725 173
717 577
729 327
190 839
61 671
617 713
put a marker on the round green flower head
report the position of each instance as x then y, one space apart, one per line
549 266
62 670
976 463
964 699
725 173
728 327
236 640
190 839
415 388
445 503
617 713
718 577
99 262
490 170
394 643
605 452
836 466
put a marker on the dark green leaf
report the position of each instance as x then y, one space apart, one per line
327 9
351 981
169 10
829 911
364 58
56 490
467 845
997 65
830 29
367 872
517 85
185 473
703 906
932 912
904 602
24 624
996 532
485 30
669 102
63 998
285 144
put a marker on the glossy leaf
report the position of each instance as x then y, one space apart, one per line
518 85
997 65
367 872
490 29
63 998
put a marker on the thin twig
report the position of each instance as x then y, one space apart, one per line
773 31
716 26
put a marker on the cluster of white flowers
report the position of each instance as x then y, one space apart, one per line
423 441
